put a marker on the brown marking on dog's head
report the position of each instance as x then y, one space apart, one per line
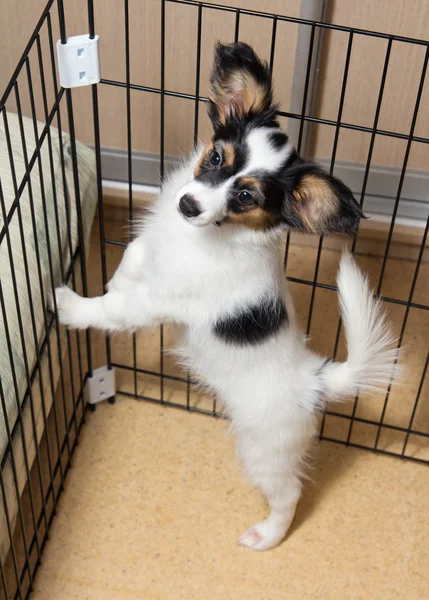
204 157
228 155
240 84
238 95
316 202
249 183
255 218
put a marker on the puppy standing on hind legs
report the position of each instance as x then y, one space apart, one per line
208 257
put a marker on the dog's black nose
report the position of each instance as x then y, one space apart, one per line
189 207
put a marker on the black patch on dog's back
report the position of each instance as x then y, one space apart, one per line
254 324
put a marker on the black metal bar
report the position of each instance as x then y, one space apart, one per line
129 154
62 22
8 521
280 113
79 216
379 451
116 242
91 25
172 404
197 74
334 152
273 44
321 24
374 129
161 173
196 119
416 402
332 413
97 147
36 242
333 288
237 25
306 88
3 581
302 123
68 223
155 374
75 165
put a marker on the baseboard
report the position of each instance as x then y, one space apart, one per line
380 194
145 166
382 189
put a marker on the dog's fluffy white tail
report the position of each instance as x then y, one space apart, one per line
370 342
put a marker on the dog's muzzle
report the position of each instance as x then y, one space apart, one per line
189 207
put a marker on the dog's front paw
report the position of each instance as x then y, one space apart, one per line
118 282
67 305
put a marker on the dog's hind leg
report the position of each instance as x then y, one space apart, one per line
274 466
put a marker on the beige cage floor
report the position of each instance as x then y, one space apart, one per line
155 501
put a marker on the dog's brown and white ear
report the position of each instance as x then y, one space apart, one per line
240 84
318 202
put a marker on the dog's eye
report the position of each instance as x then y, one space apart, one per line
215 159
245 196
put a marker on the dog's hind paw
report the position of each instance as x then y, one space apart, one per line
262 536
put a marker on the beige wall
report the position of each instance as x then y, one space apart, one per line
180 66
403 17
17 21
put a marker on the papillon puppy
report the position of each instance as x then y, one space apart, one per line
208 257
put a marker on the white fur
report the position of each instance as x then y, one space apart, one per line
213 201
272 391
262 154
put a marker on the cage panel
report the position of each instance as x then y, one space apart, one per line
364 118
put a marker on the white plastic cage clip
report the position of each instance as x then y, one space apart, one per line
100 386
78 61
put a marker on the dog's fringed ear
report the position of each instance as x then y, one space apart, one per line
318 202
240 84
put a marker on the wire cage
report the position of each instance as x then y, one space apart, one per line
43 399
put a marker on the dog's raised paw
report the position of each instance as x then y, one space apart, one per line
65 301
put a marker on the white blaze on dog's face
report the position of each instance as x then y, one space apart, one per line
249 174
